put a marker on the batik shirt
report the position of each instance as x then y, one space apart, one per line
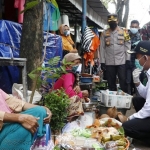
145 32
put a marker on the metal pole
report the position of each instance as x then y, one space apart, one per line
84 10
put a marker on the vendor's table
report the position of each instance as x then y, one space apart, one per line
86 86
20 62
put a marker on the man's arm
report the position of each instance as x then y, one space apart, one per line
102 49
145 111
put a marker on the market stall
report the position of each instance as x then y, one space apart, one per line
103 134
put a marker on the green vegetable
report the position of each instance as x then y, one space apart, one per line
81 132
121 131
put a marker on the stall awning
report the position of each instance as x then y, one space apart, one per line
96 12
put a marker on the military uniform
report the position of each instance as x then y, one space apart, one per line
145 32
113 53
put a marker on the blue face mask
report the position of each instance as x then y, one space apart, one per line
134 30
66 33
137 63
74 68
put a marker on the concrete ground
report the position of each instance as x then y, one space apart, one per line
136 144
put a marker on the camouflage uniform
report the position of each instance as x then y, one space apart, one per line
145 32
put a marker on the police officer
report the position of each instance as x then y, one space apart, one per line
115 41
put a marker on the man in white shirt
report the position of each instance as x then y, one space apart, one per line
138 124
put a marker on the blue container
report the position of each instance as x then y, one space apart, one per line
86 79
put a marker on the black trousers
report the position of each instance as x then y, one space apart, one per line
138 128
112 72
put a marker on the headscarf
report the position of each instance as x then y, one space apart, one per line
66 40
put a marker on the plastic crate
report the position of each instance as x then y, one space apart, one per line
103 110
119 101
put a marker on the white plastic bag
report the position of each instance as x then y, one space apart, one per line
17 90
71 126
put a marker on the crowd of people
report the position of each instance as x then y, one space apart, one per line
123 54
126 54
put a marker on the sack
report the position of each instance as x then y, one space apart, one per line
75 107
17 90
43 143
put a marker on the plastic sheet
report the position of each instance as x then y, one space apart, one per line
10 36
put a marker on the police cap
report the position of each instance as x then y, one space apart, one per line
112 17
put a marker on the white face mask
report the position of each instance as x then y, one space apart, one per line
79 69
134 30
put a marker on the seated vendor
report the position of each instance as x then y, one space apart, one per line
19 121
68 44
68 81
138 123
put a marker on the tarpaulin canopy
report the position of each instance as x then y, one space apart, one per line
10 36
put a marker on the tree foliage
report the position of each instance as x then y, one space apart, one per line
122 9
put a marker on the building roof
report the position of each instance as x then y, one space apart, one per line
96 12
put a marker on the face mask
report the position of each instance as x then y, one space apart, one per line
134 30
137 63
77 68
113 25
66 33
74 68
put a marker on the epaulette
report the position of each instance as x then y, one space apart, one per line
126 34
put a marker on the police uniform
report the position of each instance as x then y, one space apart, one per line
113 53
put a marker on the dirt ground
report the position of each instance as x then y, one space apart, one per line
136 144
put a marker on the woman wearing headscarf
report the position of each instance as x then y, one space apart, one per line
68 44
69 80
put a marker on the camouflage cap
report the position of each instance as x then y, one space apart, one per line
112 17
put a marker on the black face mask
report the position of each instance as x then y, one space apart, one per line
113 25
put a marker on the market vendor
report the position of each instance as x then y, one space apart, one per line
67 42
19 121
137 125
69 80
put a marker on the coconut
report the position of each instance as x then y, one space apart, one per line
121 117
112 112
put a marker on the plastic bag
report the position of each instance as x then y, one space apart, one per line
71 126
43 143
17 90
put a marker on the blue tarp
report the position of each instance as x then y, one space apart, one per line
10 36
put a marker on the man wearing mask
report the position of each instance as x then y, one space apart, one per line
137 125
135 39
115 42
145 31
